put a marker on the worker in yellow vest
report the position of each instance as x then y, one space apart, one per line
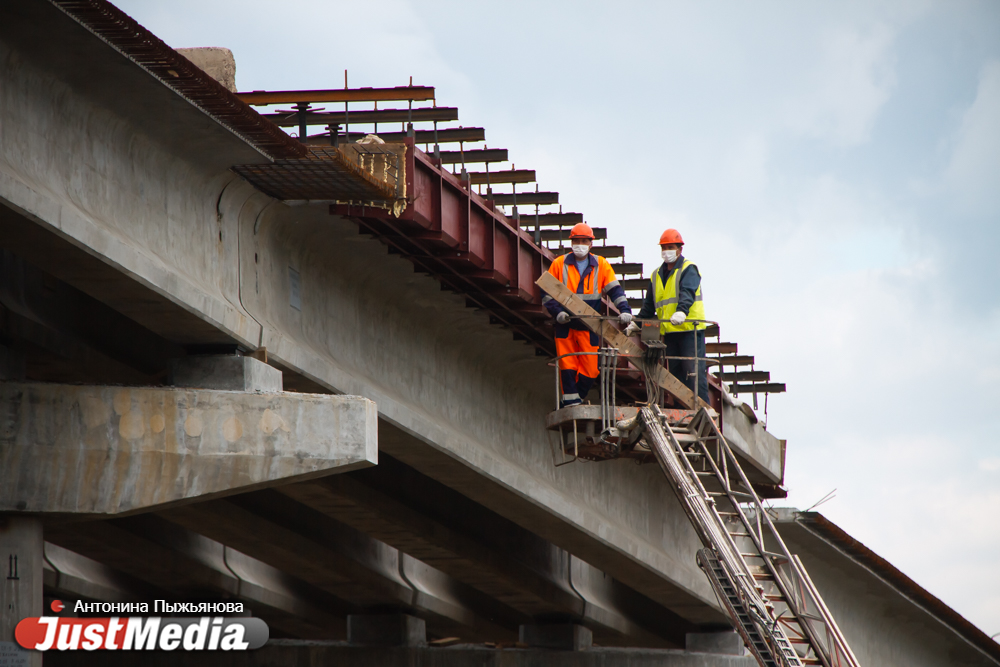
674 297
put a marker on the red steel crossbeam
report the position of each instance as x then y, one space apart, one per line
453 233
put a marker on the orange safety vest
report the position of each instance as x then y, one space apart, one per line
596 283
577 336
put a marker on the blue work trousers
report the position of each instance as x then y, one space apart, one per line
682 344
575 387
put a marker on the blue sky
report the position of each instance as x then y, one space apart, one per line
835 171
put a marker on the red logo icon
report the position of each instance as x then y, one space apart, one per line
57 606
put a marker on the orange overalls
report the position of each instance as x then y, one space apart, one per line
578 373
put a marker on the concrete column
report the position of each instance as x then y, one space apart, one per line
386 630
21 552
725 643
228 372
559 636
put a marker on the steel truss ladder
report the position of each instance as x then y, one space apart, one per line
766 590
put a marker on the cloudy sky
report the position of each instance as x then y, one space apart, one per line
834 168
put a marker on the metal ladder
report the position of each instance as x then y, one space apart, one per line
766 590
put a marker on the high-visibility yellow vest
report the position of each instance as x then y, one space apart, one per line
666 301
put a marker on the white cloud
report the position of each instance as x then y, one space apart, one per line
849 86
746 165
974 171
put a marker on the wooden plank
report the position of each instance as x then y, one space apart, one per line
720 348
763 388
745 360
475 156
268 97
556 219
608 250
291 119
524 199
576 306
635 284
746 376
563 234
626 268
503 176
444 136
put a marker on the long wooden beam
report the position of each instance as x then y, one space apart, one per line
525 198
291 118
451 135
266 97
502 176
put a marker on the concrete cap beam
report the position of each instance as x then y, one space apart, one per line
112 450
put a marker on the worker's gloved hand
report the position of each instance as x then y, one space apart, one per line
632 329
625 319
678 318
562 318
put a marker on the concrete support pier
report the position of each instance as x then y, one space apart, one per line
21 553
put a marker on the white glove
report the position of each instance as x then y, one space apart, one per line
562 318
678 317
632 329
625 318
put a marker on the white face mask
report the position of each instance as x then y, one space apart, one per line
669 256
581 251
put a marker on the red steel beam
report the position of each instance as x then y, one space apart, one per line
451 232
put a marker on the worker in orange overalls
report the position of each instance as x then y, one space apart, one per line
591 277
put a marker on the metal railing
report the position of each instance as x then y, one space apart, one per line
653 391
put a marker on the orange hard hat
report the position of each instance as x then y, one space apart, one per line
581 230
671 236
